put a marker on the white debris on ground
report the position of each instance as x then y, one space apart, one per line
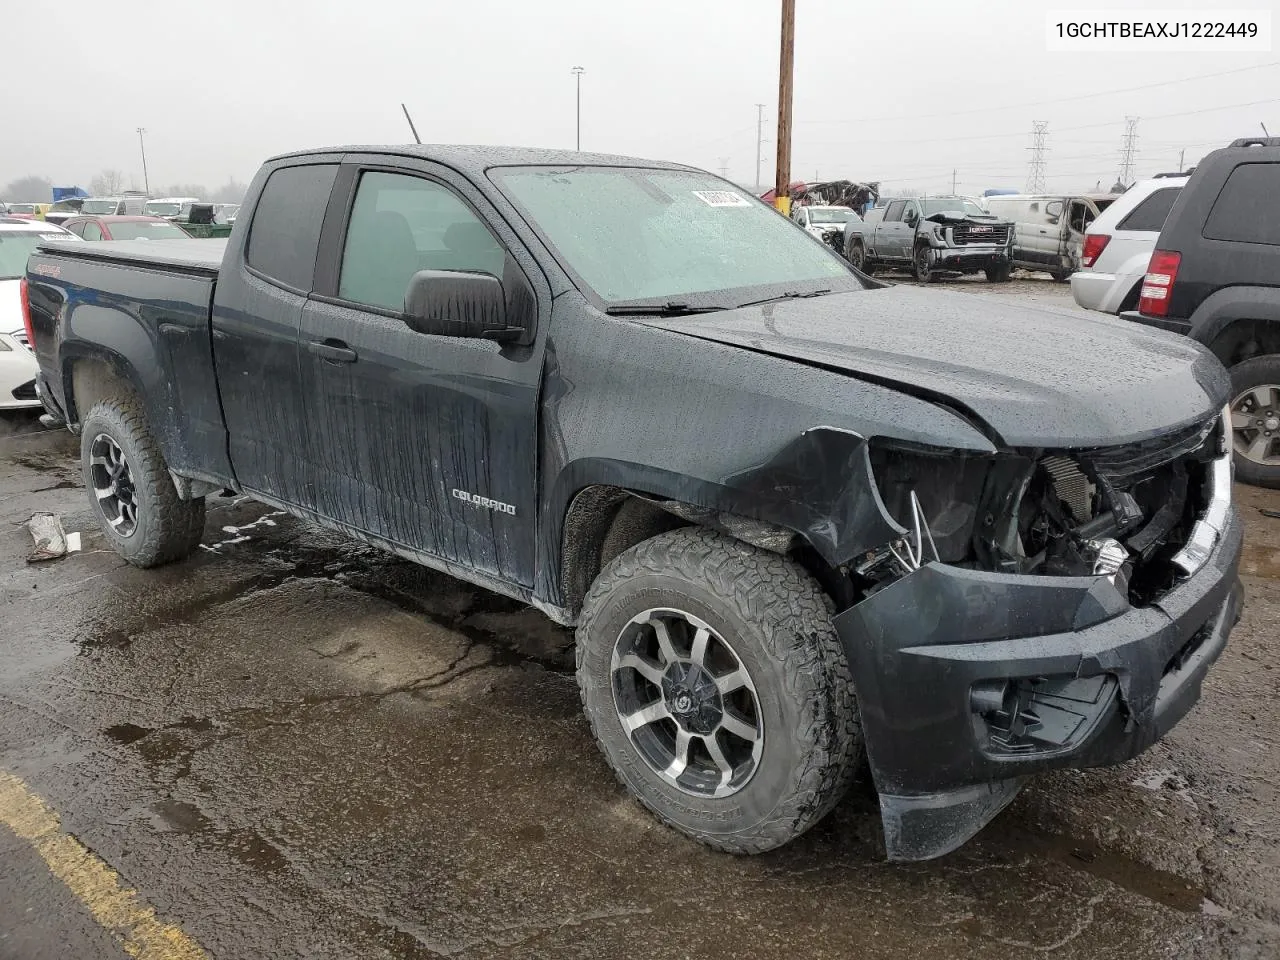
51 542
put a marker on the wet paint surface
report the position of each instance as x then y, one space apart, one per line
296 746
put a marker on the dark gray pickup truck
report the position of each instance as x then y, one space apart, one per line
797 516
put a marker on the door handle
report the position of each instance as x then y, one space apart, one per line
335 351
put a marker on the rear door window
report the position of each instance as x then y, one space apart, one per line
91 230
401 224
1151 213
1243 211
285 231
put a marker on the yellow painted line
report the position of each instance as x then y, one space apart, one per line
118 908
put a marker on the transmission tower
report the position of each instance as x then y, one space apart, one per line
1038 148
724 167
1128 150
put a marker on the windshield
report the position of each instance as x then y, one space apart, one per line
65 206
22 208
952 205
99 207
831 215
156 209
147 230
17 245
641 234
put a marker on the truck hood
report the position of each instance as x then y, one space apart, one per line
959 216
1034 376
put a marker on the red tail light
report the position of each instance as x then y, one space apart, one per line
25 296
1094 244
1158 283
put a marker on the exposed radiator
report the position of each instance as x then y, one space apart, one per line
1072 486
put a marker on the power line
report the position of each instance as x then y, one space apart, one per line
1039 103
1035 174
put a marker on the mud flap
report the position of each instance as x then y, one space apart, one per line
933 824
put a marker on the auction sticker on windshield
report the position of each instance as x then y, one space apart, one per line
722 198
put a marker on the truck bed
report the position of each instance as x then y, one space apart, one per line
188 256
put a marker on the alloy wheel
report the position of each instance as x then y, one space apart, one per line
687 703
113 485
1255 424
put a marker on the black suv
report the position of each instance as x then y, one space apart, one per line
1215 275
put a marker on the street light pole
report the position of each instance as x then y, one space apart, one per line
142 144
577 73
759 141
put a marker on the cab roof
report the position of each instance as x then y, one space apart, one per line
475 159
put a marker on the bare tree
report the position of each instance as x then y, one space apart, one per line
28 190
107 184
187 190
232 191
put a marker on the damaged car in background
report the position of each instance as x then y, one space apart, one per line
799 517
932 236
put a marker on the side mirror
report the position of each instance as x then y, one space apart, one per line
910 218
452 303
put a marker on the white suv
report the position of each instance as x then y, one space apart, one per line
1118 245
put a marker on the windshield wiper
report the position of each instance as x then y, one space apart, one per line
788 295
669 309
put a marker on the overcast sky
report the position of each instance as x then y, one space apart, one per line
901 91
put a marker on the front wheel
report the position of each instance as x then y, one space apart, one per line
858 256
922 265
1255 420
718 690
133 496
1000 273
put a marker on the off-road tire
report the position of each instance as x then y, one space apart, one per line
1000 274
779 623
168 528
921 269
1244 376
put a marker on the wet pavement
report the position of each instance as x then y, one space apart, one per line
293 746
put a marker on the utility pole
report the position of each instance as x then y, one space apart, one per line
146 183
577 73
786 63
1181 156
759 141
724 167
953 181
1035 173
1128 150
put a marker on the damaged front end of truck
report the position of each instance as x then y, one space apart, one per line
1032 609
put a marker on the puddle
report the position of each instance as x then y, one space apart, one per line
126 733
1086 855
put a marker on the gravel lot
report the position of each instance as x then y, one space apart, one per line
293 746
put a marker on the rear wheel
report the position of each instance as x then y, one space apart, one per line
717 689
1255 420
133 496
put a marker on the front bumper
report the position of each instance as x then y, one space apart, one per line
970 257
1103 679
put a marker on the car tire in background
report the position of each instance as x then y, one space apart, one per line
129 486
694 638
922 265
857 256
1255 420
1001 273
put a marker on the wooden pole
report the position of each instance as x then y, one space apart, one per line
786 62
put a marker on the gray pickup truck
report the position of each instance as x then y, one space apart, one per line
932 236
798 516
